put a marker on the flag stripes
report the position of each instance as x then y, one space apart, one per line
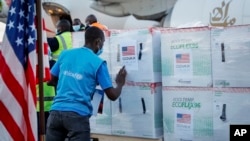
18 118
46 71
16 107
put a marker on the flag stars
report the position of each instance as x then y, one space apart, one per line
12 11
20 27
19 41
31 40
21 13
29 7
33 28
27 17
10 25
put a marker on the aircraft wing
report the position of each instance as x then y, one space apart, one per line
141 9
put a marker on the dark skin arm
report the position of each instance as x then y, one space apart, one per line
113 93
53 81
53 44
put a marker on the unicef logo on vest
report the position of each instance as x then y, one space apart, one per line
74 75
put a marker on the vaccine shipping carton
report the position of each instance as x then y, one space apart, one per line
230 56
78 39
187 113
231 107
139 51
186 57
138 111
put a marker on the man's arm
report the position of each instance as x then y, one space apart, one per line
53 44
104 80
54 72
53 81
113 93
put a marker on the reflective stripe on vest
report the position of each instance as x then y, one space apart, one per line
65 42
47 98
54 56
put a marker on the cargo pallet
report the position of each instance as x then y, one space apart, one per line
99 137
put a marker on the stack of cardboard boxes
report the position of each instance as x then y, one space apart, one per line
182 84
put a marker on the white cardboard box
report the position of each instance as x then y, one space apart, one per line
186 57
230 56
139 51
78 39
187 113
231 107
138 111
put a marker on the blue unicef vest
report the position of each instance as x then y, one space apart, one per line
78 82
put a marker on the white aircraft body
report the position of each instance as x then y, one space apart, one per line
124 14
221 13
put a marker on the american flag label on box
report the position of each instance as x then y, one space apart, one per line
183 63
128 50
128 54
182 58
183 127
183 118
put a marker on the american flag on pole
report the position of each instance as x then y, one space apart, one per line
46 74
128 50
183 58
18 120
183 118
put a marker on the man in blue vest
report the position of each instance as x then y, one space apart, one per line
62 41
78 71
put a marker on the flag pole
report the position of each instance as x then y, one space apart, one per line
40 69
